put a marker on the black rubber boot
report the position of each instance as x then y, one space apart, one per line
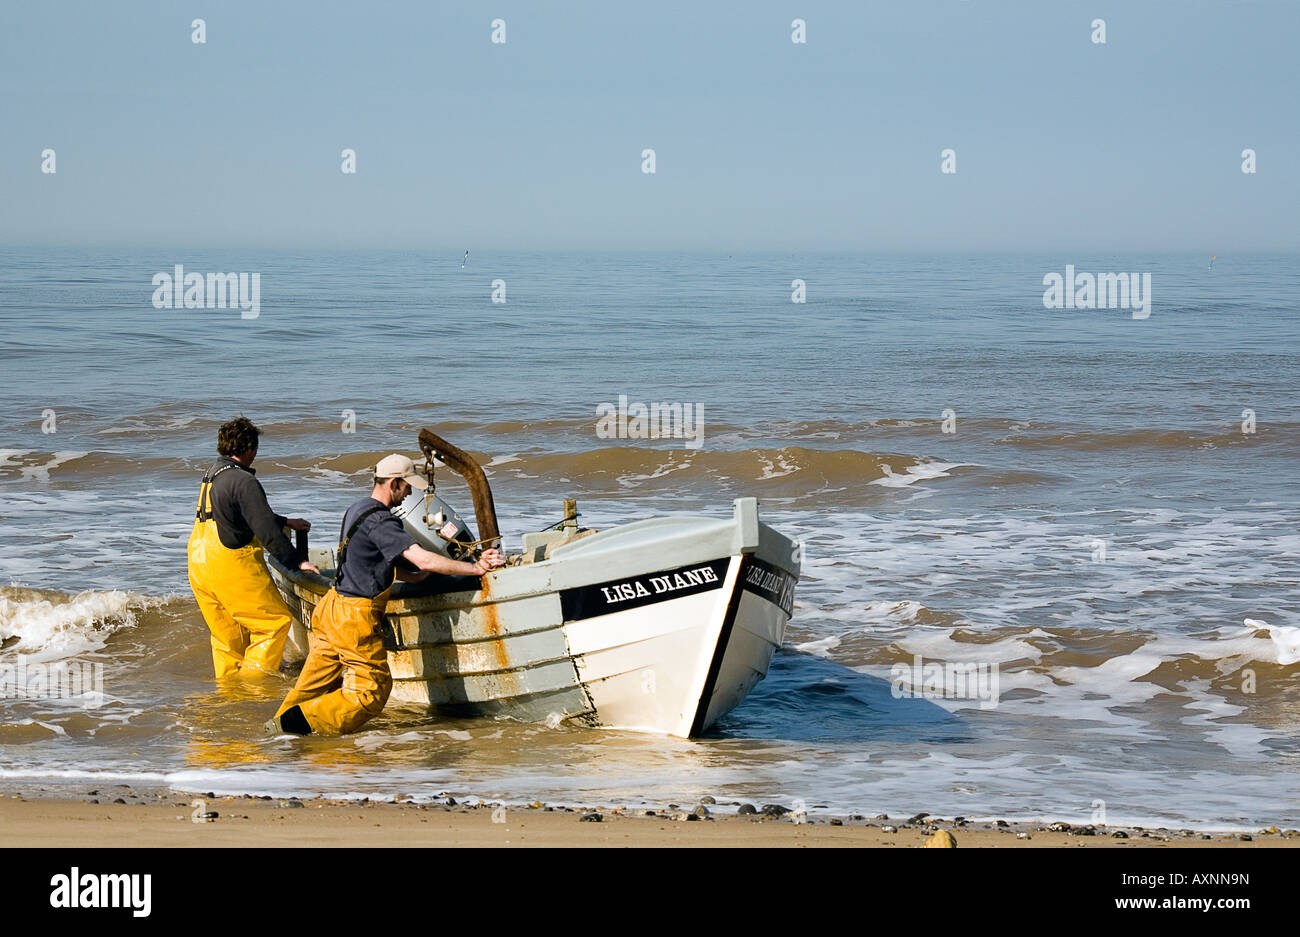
291 721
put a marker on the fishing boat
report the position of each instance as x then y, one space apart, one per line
660 625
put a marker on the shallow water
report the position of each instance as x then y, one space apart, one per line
1099 527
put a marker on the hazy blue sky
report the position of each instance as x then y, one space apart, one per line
760 143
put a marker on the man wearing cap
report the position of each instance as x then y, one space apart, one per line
346 680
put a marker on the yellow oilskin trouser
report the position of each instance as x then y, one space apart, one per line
345 681
247 617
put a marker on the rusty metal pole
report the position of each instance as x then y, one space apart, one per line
485 511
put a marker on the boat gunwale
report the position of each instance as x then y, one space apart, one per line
315 585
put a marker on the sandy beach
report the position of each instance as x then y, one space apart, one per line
126 817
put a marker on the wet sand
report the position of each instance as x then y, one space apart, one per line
129 817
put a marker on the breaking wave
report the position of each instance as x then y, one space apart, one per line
49 625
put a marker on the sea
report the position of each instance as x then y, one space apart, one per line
1095 509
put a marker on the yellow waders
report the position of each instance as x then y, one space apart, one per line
345 681
245 613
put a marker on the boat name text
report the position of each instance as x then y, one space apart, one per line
622 591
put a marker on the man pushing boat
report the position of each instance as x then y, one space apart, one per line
345 680
233 525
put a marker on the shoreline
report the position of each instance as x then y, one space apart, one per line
127 816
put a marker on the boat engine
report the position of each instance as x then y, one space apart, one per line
434 524
450 534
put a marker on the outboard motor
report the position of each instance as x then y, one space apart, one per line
440 530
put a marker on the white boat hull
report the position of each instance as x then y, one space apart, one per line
657 626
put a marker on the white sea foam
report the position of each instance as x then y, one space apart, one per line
778 468
922 471
1241 741
56 729
7 456
332 475
819 648
1286 640
665 468
51 630
939 645
79 774
42 472
179 422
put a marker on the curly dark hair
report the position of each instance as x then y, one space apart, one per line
236 436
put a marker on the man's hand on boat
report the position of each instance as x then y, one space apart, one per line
304 525
426 561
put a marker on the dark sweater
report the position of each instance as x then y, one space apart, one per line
241 511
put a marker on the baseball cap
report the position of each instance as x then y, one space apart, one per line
399 466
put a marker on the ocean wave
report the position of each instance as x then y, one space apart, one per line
30 464
141 426
45 624
792 470
36 465
1128 438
